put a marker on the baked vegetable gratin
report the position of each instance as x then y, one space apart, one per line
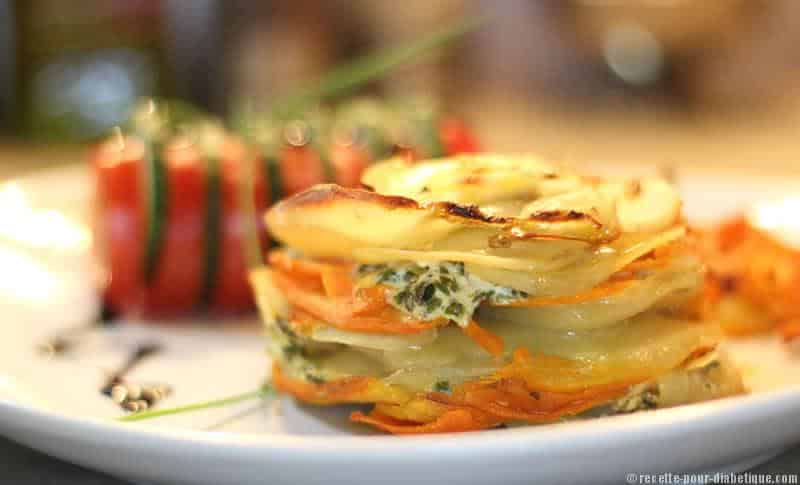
473 292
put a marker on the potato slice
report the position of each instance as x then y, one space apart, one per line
330 221
645 205
471 179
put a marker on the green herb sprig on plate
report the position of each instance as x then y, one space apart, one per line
264 392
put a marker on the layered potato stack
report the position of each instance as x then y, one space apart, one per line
472 292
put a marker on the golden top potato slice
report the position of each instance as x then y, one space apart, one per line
490 201
330 221
504 185
471 179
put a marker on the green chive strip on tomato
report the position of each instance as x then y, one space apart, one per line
212 229
272 172
156 177
178 279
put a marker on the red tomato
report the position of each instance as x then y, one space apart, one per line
349 161
408 153
119 225
457 137
301 167
121 228
177 283
232 290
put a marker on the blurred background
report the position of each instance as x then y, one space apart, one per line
649 81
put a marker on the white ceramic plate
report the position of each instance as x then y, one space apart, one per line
54 404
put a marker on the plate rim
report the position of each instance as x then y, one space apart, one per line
731 411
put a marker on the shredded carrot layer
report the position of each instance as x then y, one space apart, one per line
474 405
479 405
485 339
358 389
280 260
512 400
346 314
326 290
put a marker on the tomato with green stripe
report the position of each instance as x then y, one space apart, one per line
120 214
200 263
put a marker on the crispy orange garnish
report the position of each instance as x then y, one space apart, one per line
703 305
790 330
755 279
485 339
738 317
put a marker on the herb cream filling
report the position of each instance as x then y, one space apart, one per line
429 291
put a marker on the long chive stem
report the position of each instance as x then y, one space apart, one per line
263 392
372 66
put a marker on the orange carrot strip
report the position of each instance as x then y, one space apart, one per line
606 289
281 261
615 284
355 389
337 281
370 300
420 409
313 274
557 374
332 392
488 341
453 421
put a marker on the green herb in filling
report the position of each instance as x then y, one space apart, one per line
428 291
290 348
442 386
